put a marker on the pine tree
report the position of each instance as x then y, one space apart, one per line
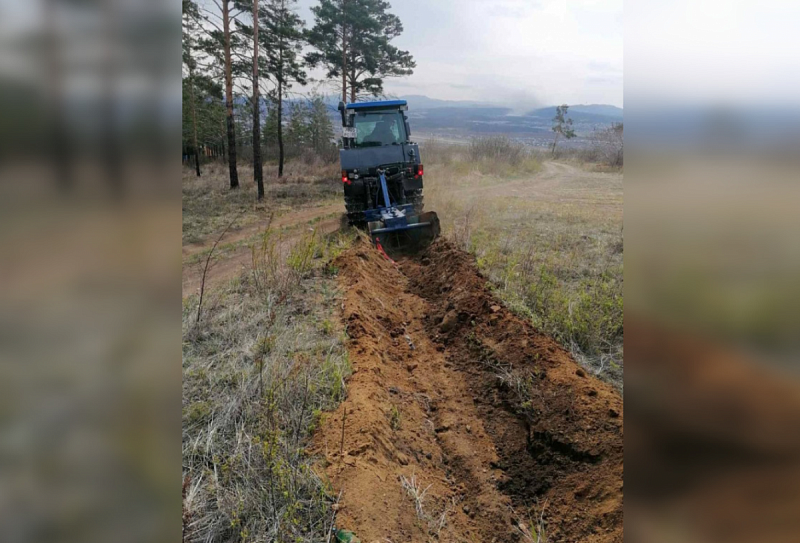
320 128
351 38
270 132
223 49
282 37
258 167
189 17
203 112
231 132
297 134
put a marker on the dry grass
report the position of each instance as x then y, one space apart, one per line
497 150
435 522
209 204
535 529
415 491
592 159
490 155
551 244
260 368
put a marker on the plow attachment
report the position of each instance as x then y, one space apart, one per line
398 227
408 234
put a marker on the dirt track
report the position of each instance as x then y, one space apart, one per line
232 263
429 345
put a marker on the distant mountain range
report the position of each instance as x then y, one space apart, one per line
598 112
593 110
465 118
423 102
432 115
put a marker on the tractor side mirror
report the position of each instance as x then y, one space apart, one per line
408 129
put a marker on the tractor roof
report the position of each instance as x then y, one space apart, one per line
376 105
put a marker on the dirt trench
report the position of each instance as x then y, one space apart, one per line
496 426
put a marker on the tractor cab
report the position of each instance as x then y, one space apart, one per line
382 172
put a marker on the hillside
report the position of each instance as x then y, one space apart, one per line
474 118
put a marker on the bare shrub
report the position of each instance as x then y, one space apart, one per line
607 145
498 149
435 151
463 227
271 277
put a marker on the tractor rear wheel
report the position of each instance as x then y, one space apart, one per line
414 197
355 212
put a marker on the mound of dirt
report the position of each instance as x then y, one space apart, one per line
461 421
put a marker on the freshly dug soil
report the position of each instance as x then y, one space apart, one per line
497 427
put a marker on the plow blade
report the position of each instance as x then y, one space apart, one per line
418 232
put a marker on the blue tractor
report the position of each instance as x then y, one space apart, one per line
382 174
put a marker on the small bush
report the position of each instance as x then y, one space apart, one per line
301 255
394 418
435 151
607 145
498 149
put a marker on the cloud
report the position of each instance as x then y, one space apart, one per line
604 80
538 52
510 8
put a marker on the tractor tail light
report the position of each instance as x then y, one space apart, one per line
419 172
345 179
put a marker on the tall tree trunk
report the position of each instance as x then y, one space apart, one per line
344 50
280 128
258 170
222 141
194 122
353 77
231 129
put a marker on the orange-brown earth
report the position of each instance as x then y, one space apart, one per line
493 421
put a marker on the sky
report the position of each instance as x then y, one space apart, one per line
724 52
520 53
526 53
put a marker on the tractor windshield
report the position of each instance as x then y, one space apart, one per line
376 129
